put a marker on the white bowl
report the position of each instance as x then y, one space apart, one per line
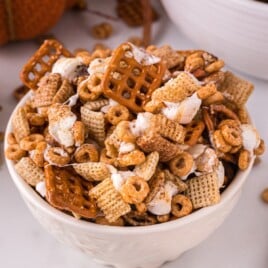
129 247
235 30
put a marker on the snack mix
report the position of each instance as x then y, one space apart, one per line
131 137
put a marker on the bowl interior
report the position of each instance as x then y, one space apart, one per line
31 195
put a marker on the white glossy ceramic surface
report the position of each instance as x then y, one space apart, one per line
130 247
235 30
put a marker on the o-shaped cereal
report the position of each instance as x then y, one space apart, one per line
70 150
14 152
181 206
206 91
260 149
163 218
36 119
85 93
235 149
100 53
106 159
117 114
57 156
220 143
124 133
86 153
133 158
134 190
141 207
29 143
94 83
84 55
11 138
244 159
232 135
38 155
182 164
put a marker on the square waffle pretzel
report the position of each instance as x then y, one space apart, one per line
67 191
129 82
41 62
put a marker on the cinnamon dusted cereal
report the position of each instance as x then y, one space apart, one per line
132 137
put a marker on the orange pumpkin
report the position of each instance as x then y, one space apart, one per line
26 19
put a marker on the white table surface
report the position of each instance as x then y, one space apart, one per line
242 240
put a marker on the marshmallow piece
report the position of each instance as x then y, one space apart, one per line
67 67
141 124
142 57
120 177
171 109
61 120
161 203
193 169
112 169
207 161
57 150
98 65
220 174
126 147
40 187
117 180
197 150
250 136
105 108
182 112
72 100
32 154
